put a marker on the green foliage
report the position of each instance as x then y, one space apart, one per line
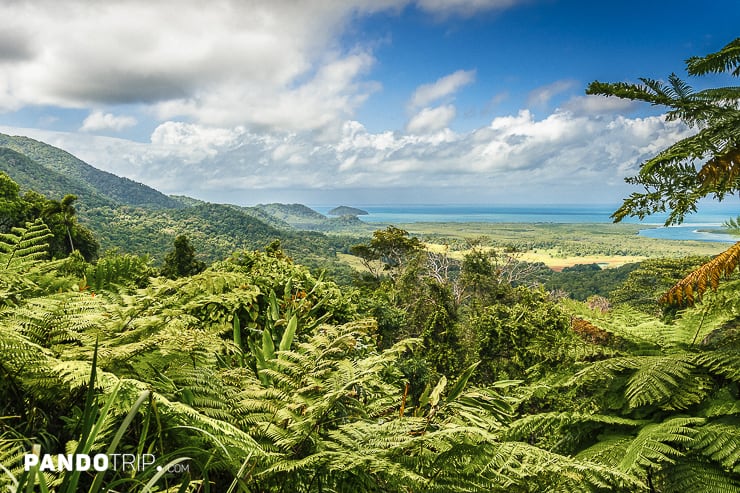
264 377
732 226
181 261
651 279
388 252
67 234
584 280
506 333
115 269
55 172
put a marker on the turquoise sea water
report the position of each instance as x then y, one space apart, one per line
709 217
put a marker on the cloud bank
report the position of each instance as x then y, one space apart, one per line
515 158
263 95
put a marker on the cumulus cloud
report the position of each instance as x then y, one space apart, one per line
232 63
564 157
430 120
441 88
97 120
268 98
595 105
15 45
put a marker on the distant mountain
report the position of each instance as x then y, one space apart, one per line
302 217
92 182
344 210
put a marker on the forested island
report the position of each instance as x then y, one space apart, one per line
274 349
344 210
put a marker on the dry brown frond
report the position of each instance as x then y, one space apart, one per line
689 290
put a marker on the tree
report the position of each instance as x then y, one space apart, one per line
671 178
10 203
705 164
181 261
66 209
392 247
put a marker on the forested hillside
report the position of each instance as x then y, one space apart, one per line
136 219
96 182
33 176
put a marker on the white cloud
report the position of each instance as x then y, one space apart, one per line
270 96
430 120
595 105
443 87
264 63
542 95
564 157
97 120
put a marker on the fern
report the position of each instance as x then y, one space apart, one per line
24 246
697 476
669 382
720 441
654 445
691 288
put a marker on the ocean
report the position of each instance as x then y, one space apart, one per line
695 226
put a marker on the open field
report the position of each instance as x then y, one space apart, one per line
558 245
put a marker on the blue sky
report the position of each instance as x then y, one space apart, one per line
353 101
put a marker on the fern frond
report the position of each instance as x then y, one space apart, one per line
725 60
669 382
724 362
24 246
720 441
653 446
721 403
697 476
690 289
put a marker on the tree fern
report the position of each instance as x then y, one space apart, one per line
696 476
23 246
720 441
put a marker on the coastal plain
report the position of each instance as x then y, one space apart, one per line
558 245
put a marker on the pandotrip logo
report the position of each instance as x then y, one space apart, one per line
86 462
124 463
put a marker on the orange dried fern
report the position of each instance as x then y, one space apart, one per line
721 171
689 290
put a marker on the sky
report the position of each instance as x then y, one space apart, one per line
354 102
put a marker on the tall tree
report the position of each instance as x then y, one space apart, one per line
181 261
66 209
705 164
392 247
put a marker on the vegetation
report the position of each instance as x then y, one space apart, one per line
447 368
181 261
97 187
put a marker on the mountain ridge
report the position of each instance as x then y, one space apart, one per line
116 188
